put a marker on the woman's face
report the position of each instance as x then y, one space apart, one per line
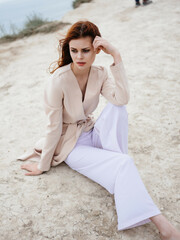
82 53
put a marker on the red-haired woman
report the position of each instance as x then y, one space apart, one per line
98 149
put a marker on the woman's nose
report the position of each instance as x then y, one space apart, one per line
80 55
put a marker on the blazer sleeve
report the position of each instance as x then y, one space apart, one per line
53 97
117 91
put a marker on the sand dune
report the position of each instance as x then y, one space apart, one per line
62 204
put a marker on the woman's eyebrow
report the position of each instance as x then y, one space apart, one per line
82 48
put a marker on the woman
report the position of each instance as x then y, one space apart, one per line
98 149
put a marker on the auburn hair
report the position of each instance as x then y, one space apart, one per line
77 30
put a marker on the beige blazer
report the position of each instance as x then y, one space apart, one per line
68 115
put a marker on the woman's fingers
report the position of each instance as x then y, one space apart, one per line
32 168
26 167
32 174
97 43
98 46
104 45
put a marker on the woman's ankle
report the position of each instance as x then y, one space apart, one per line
166 234
166 229
173 235
163 225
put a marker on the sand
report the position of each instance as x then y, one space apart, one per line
62 204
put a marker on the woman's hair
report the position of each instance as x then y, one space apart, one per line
78 30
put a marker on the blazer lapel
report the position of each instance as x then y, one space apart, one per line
83 103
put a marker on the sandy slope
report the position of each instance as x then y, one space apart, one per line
62 204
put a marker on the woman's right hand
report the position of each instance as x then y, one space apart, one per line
32 168
103 44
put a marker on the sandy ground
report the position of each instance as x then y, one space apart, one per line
62 204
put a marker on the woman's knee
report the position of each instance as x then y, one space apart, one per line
73 158
120 110
117 107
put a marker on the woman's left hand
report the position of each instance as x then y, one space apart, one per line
103 44
32 169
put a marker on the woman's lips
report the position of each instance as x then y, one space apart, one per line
80 63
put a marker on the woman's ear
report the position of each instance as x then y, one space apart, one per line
98 50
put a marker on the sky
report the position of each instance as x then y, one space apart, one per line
15 12
1 1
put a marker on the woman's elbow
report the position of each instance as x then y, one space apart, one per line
127 98
124 100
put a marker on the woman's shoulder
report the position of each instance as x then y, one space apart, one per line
56 80
59 76
61 71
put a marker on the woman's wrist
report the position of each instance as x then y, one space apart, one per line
117 57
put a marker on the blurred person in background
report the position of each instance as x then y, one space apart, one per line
145 2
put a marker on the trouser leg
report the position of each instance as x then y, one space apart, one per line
111 133
94 156
111 129
117 173
97 164
134 205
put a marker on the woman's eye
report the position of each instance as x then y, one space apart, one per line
83 50
86 50
74 50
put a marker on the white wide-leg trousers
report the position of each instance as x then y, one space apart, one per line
101 155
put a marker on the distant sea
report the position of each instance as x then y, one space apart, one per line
15 12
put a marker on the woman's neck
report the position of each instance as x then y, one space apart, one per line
80 73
